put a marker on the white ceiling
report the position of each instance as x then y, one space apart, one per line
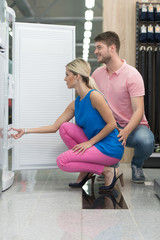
63 12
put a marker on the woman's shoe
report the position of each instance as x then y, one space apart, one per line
111 186
84 180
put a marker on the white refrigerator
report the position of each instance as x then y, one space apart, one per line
39 94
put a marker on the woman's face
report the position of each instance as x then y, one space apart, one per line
70 79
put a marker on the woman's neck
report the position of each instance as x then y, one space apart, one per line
82 90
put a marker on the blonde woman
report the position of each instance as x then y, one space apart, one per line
93 143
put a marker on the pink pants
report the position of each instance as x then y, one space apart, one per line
92 160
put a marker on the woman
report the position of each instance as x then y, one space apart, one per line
93 143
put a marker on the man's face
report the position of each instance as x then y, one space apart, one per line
102 51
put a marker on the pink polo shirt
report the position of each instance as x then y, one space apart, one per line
118 88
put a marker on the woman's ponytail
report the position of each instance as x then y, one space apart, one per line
92 84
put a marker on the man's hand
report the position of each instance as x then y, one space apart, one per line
81 147
123 135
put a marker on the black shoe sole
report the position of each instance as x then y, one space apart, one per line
134 181
100 179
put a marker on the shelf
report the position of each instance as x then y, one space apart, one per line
155 155
157 187
149 22
153 161
147 3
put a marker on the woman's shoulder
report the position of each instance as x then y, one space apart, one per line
96 94
96 97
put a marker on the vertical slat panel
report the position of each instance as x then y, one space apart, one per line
120 16
40 55
150 85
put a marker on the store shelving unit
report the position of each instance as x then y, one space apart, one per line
151 104
6 140
139 23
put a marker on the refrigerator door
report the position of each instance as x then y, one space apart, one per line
40 53
2 71
2 62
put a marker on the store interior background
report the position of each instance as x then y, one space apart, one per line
123 21
61 12
37 208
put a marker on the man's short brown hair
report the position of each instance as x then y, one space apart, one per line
109 38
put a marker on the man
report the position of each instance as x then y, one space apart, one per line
123 87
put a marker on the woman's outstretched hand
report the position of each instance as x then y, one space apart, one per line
82 147
20 133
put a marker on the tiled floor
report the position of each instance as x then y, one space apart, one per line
41 206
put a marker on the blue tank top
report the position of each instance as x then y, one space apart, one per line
89 119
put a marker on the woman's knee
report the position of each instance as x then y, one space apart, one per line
63 128
60 162
63 158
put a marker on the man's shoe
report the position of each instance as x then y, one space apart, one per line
137 175
100 178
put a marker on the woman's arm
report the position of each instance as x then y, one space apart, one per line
66 116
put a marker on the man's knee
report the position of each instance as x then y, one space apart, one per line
145 142
144 136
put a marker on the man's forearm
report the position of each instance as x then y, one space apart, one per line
134 121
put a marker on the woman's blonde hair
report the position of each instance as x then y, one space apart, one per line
81 67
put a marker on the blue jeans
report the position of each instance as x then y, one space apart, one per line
142 140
